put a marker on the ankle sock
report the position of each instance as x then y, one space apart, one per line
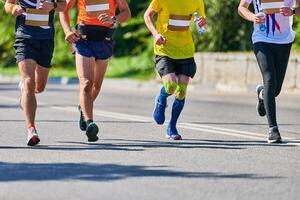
89 121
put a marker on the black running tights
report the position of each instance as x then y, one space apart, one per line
272 60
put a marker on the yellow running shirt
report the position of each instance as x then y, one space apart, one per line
173 22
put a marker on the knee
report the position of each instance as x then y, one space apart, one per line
29 85
181 91
40 89
170 87
270 84
97 87
86 85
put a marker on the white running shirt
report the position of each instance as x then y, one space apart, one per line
278 27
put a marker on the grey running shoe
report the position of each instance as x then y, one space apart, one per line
21 86
274 135
81 122
260 107
33 138
92 131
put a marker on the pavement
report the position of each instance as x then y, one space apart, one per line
223 154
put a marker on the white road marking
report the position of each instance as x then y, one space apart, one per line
190 126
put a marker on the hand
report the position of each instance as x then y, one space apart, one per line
17 10
47 6
286 11
260 18
105 18
202 22
159 39
71 37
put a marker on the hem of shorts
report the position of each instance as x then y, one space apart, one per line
44 66
177 58
103 58
176 74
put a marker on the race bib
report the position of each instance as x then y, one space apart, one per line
271 6
36 17
97 7
179 22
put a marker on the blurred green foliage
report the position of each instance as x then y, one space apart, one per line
227 32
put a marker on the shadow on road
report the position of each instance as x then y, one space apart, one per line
103 172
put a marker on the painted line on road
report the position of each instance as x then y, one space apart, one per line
185 125
190 126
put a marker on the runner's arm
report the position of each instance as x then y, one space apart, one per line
61 5
244 12
148 17
64 18
125 13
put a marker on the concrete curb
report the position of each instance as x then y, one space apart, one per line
239 72
217 72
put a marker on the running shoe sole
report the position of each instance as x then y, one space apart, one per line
260 107
177 137
91 132
275 141
33 141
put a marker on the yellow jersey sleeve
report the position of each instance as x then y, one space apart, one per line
201 8
156 5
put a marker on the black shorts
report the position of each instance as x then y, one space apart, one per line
166 65
40 51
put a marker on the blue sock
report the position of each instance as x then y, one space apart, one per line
176 110
162 98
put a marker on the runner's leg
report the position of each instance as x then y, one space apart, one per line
168 88
282 59
99 72
41 77
177 107
27 69
85 71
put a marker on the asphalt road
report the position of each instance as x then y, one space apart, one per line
224 154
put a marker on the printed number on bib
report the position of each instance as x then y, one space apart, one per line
36 17
271 6
97 7
179 22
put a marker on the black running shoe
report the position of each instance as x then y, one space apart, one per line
274 135
92 132
260 107
81 122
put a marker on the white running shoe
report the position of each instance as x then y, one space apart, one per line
33 138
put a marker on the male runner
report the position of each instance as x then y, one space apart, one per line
174 50
34 48
93 43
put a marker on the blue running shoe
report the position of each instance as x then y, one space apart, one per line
172 133
159 111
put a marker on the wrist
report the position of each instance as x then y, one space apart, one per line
115 21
